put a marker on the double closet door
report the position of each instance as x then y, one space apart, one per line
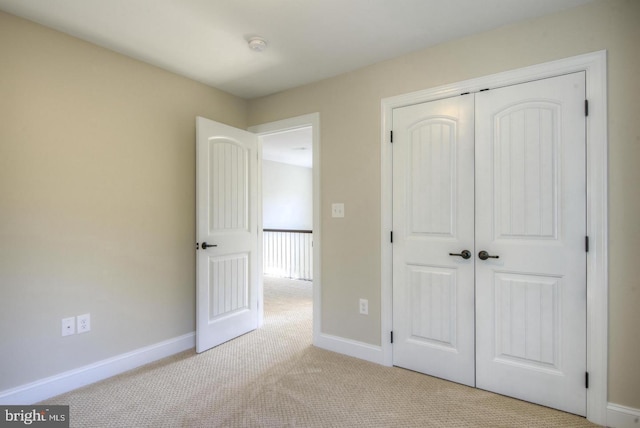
489 222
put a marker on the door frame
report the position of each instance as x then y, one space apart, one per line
594 64
313 120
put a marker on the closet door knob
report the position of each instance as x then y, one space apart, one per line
465 254
205 245
484 255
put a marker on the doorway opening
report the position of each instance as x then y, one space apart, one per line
287 204
287 223
289 228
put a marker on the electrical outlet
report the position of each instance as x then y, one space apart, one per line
84 323
68 326
337 210
364 307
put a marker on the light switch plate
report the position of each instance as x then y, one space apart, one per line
337 210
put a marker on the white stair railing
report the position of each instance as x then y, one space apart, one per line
288 253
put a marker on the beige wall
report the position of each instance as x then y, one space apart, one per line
349 107
97 205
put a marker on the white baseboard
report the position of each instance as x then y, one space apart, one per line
64 382
622 417
352 348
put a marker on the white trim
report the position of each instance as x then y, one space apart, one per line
351 348
597 224
260 254
622 416
68 381
313 120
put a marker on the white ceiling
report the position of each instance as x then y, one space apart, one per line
308 40
292 147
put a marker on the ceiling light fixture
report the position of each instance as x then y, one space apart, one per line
257 44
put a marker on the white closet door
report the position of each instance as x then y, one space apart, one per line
433 302
530 212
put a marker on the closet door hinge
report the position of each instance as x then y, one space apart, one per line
586 107
391 237
586 380
586 244
392 337
391 136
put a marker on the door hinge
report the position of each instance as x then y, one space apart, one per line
392 337
586 107
586 244
391 237
391 135
586 380
485 89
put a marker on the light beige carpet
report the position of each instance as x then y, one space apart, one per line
274 377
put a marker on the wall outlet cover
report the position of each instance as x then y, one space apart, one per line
68 326
364 307
84 323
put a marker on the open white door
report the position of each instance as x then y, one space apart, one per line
227 233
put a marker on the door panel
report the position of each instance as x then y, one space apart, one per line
529 304
227 301
432 293
530 212
229 187
526 170
433 217
228 285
